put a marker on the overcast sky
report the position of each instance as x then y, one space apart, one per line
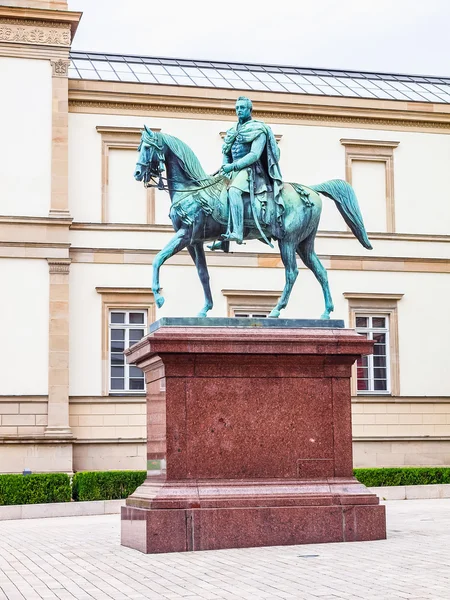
396 36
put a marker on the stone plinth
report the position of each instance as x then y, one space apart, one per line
249 437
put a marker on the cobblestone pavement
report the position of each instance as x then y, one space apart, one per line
81 558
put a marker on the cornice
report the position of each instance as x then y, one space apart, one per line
260 293
59 265
310 113
371 296
39 17
123 290
369 143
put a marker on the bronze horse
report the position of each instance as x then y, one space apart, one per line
198 214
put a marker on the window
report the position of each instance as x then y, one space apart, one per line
373 370
251 303
376 316
119 147
369 168
250 314
125 329
122 302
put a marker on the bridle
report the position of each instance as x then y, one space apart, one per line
163 183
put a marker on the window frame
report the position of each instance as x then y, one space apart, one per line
370 330
126 327
121 138
255 301
120 299
377 304
374 151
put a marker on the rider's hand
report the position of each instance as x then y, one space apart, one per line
227 168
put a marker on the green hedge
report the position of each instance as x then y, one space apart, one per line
111 485
34 489
106 485
402 476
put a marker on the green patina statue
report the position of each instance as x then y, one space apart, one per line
250 157
246 199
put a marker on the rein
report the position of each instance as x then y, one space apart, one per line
160 185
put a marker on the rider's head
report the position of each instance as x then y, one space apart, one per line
244 108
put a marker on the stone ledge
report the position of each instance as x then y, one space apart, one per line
412 492
36 439
60 509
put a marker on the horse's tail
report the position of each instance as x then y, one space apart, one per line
347 204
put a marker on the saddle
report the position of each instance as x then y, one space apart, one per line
213 201
265 209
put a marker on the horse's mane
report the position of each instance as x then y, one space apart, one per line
189 161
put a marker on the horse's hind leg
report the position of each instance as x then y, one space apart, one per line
287 251
309 257
177 243
198 256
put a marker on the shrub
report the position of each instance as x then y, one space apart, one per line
402 476
34 489
106 485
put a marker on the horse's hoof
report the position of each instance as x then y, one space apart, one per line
325 316
274 314
202 314
159 301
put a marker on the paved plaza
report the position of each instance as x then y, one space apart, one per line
81 558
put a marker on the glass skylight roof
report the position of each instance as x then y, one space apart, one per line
197 73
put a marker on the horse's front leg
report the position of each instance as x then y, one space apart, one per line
198 256
177 243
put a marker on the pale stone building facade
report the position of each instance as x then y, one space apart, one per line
78 236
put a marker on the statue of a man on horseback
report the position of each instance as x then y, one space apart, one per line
250 159
246 200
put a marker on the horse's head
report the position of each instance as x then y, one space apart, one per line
150 161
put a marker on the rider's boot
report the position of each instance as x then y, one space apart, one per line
220 245
237 216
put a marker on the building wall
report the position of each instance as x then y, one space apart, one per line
25 150
117 257
75 229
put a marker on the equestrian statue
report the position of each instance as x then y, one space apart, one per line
245 200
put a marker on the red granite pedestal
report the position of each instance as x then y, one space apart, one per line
249 434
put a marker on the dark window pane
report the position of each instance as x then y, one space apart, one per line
117 371
379 322
136 318
136 335
362 385
136 372
379 338
379 361
117 359
136 384
259 316
380 385
117 346
362 372
117 334
379 349
361 321
117 317
117 384
380 373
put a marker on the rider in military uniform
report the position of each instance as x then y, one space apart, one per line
250 158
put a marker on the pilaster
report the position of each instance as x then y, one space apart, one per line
58 363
